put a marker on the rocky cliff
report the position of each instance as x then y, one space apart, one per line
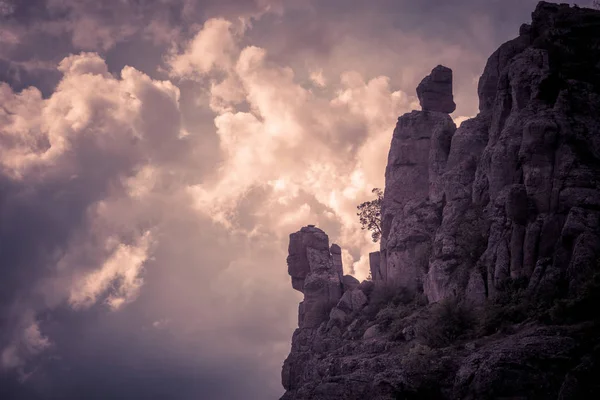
488 272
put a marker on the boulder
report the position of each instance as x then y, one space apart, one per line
366 287
349 282
435 91
297 260
352 300
372 332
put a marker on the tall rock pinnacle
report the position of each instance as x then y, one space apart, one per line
435 91
315 272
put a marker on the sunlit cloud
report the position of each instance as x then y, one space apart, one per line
293 138
120 276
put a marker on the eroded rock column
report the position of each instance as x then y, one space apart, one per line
314 273
413 196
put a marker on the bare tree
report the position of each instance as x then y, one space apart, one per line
369 214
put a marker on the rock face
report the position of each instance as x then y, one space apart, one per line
413 195
502 190
501 215
374 263
435 91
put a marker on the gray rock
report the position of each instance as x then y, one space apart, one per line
349 282
510 177
408 333
352 300
435 91
297 260
374 263
313 273
366 287
413 195
337 317
336 256
479 377
372 332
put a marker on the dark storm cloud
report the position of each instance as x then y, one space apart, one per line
123 355
91 165
36 34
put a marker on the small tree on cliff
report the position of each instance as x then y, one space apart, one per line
369 214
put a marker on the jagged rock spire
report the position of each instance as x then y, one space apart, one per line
314 273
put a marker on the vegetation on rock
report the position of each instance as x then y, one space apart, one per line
369 214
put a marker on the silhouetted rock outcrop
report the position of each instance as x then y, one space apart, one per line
489 268
313 273
435 91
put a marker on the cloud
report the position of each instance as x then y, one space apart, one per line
81 153
317 78
211 48
37 34
30 343
292 139
98 137
91 170
121 274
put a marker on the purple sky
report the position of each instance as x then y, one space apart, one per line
156 154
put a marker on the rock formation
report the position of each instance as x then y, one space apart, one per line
413 195
336 256
374 263
501 189
313 273
435 91
495 224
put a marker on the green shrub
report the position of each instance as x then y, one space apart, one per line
391 313
370 311
449 321
396 328
510 306
513 305
385 293
419 357
578 307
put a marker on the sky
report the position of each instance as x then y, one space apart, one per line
155 155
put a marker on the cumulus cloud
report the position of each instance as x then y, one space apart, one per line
329 146
211 48
92 146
